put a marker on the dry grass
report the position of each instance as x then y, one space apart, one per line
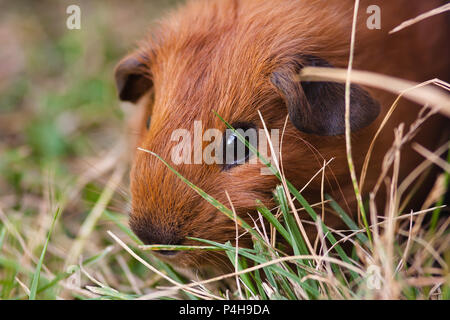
91 253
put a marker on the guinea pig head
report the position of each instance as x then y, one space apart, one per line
193 75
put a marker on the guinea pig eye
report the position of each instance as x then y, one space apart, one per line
235 152
147 123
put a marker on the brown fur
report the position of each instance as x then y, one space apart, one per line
219 55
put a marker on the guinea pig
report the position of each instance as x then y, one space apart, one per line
234 58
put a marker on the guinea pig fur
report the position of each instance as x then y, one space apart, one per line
236 57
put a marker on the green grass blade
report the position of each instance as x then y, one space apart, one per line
37 273
155 261
265 212
247 253
437 212
111 216
168 247
244 277
298 243
110 293
326 231
2 236
346 218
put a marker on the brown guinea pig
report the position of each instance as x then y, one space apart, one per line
236 57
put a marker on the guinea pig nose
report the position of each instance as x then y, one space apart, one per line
154 234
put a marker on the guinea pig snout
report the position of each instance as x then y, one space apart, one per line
157 234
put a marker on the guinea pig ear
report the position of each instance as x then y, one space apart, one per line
319 107
132 78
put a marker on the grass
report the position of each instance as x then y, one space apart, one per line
37 272
64 201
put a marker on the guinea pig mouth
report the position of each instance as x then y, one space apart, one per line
167 252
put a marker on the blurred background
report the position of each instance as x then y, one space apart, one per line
57 95
61 124
58 105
